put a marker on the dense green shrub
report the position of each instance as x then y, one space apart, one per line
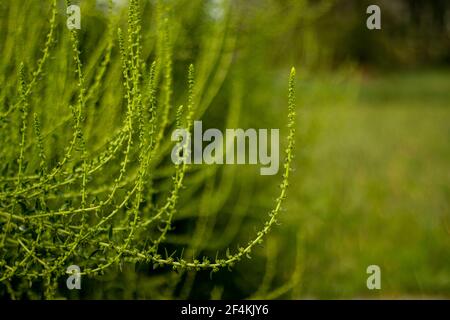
85 127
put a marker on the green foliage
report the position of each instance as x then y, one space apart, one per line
85 132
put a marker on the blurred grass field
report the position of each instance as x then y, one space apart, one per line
377 190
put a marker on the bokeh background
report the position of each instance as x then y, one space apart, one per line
371 183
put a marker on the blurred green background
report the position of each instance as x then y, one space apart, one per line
372 180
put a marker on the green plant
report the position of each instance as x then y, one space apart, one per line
85 175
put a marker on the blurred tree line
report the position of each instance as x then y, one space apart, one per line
323 33
413 33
